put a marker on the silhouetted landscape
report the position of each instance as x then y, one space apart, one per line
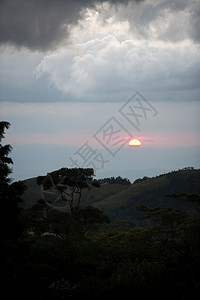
119 199
101 239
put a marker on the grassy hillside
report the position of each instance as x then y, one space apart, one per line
124 203
153 192
96 195
33 193
120 201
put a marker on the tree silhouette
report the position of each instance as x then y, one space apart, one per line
4 159
9 193
64 187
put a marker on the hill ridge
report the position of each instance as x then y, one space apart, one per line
121 201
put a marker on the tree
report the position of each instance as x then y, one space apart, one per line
163 216
194 198
4 159
113 180
9 193
91 218
10 226
66 186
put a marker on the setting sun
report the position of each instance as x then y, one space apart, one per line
134 143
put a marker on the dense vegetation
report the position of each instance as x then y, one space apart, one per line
114 180
63 257
51 254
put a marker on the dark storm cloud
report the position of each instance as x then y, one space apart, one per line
173 20
40 24
43 24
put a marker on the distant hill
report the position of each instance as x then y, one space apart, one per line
153 192
120 201
33 193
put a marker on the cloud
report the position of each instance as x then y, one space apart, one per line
37 24
115 51
44 25
167 20
40 25
107 66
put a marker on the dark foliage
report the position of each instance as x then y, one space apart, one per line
10 226
69 183
9 192
113 180
141 179
85 257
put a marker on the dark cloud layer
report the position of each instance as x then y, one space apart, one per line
43 24
40 24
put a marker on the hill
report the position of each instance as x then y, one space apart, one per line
33 193
152 192
121 201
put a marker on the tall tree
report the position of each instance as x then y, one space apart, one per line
4 159
9 192
66 186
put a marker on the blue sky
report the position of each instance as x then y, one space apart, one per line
66 69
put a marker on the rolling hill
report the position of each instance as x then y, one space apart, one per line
153 192
121 201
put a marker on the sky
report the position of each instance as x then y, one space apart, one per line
79 79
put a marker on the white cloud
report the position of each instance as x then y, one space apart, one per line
145 46
108 66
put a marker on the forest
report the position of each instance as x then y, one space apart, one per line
85 253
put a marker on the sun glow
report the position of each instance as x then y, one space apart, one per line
135 143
